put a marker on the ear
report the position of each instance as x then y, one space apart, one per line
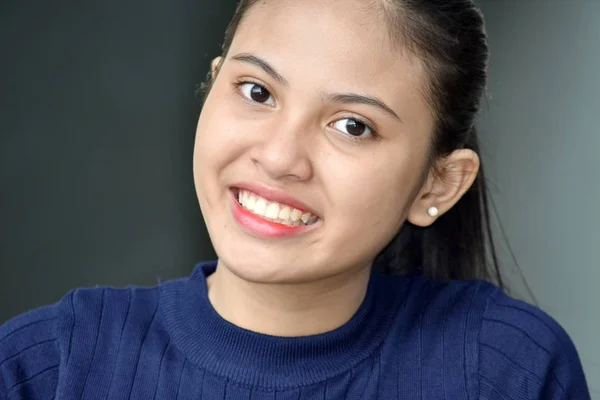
215 66
447 182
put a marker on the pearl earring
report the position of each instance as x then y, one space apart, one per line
433 211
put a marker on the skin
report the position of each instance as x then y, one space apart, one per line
363 189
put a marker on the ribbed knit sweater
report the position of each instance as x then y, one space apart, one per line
412 338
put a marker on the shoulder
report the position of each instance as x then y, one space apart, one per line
89 311
36 345
506 347
523 345
29 353
450 303
94 321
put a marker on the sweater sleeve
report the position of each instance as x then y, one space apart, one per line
525 355
30 355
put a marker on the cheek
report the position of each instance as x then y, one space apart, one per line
212 154
218 135
372 193
212 131
368 208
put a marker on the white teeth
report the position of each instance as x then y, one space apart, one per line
274 211
285 213
250 202
260 206
295 215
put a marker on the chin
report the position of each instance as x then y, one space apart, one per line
267 267
254 269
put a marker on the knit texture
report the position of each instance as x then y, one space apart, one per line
412 338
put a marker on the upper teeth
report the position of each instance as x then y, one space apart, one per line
274 211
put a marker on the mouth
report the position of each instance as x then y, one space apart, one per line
273 211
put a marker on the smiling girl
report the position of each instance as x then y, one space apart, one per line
337 169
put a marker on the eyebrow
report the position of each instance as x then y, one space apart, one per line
262 64
343 98
353 98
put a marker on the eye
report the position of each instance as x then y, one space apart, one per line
256 93
353 127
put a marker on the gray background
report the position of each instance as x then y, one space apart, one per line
541 140
97 121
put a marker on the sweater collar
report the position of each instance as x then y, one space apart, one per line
272 362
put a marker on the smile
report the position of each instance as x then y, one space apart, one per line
273 211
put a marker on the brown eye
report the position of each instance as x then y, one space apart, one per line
259 94
353 127
256 93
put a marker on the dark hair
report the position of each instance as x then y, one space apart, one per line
449 37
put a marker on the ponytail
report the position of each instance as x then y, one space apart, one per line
459 245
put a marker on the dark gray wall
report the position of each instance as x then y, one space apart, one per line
97 123
541 139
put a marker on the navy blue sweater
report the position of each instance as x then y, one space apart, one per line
412 338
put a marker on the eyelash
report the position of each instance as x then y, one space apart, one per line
374 135
239 83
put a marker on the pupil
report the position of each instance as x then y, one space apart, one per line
259 94
355 128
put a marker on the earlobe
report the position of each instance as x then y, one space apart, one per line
215 65
445 186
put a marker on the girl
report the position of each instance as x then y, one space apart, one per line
337 170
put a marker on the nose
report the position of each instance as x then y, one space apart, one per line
283 153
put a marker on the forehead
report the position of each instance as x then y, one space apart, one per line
340 43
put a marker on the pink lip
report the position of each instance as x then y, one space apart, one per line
260 227
275 195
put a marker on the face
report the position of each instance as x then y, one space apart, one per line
312 143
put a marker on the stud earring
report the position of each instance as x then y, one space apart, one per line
433 211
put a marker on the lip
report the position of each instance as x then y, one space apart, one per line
262 228
275 195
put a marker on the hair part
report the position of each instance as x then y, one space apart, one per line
448 36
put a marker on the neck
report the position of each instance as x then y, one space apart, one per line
289 310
